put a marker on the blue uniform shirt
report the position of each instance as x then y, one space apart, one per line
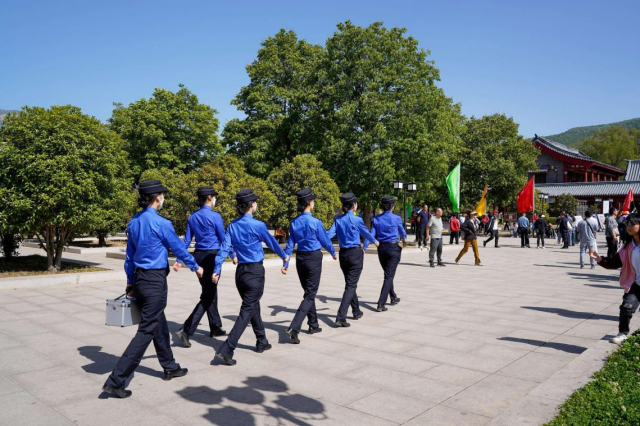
207 228
246 235
387 227
148 236
349 228
310 235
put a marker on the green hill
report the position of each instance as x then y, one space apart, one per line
573 136
4 112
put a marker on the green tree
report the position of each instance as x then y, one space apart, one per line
493 152
169 130
563 202
304 171
57 168
383 117
613 146
278 103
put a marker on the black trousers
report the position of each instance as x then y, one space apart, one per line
524 237
309 268
250 284
565 238
351 261
389 256
150 290
612 247
630 303
540 240
435 250
454 235
422 236
208 297
495 235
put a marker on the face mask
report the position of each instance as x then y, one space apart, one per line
313 204
255 209
214 201
161 204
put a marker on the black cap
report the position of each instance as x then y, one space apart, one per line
388 199
206 190
149 187
305 195
348 197
245 196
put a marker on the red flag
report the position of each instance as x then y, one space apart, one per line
627 201
525 197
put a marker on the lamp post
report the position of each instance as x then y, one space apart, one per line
543 197
399 185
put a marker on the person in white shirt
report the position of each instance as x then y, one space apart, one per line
493 229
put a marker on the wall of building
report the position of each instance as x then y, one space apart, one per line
552 176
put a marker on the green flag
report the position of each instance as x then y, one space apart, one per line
453 183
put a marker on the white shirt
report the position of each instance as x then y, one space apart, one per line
495 224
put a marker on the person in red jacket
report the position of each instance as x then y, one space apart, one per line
454 227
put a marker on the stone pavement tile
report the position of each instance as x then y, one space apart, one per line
102 410
7 342
535 326
42 299
18 328
18 308
391 406
27 410
394 362
593 330
420 328
9 316
491 396
499 351
445 416
488 364
406 384
68 308
309 382
518 339
78 328
454 344
536 367
20 359
454 375
328 364
380 343
324 345
530 410
57 385
7 386
472 326
6 298
45 316
336 415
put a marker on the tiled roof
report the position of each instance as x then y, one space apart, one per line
590 189
570 152
633 170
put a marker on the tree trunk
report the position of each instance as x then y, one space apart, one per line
102 240
49 248
58 259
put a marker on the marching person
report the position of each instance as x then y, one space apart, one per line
423 221
627 259
245 235
494 231
205 225
434 237
309 234
349 227
470 228
454 228
387 227
148 237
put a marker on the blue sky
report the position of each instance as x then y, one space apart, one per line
550 64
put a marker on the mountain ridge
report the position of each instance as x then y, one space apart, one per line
573 136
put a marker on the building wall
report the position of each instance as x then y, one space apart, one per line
552 176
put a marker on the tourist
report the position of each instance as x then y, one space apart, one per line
628 259
454 229
470 228
523 229
533 223
571 227
434 235
586 231
245 235
148 237
494 232
541 227
310 236
611 232
423 220
564 227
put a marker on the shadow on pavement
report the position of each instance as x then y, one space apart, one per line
594 277
564 347
572 314
324 318
286 408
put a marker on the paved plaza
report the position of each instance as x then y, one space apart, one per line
501 344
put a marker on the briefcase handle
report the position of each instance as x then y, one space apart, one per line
120 297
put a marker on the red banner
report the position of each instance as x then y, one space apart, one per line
626 206
525 197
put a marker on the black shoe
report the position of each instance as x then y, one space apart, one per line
343 323
497 247
581 266
593 266
217 332
293 335
168 375
431 265
263 348
358 316
226 359
120 393
184 337
441 264
395 301
484 244
528 246
315 330
381 308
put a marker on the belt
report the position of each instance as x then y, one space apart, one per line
155 269
350 248
206 251
388 242
250 263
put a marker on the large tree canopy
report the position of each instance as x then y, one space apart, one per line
61 173
169 130
613 146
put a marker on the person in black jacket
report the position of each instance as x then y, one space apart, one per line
494 231
470 229
541 227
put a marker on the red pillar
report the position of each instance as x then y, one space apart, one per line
585 176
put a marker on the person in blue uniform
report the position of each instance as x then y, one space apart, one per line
208 229
349 227
309 234
387 227
245 235
148 237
